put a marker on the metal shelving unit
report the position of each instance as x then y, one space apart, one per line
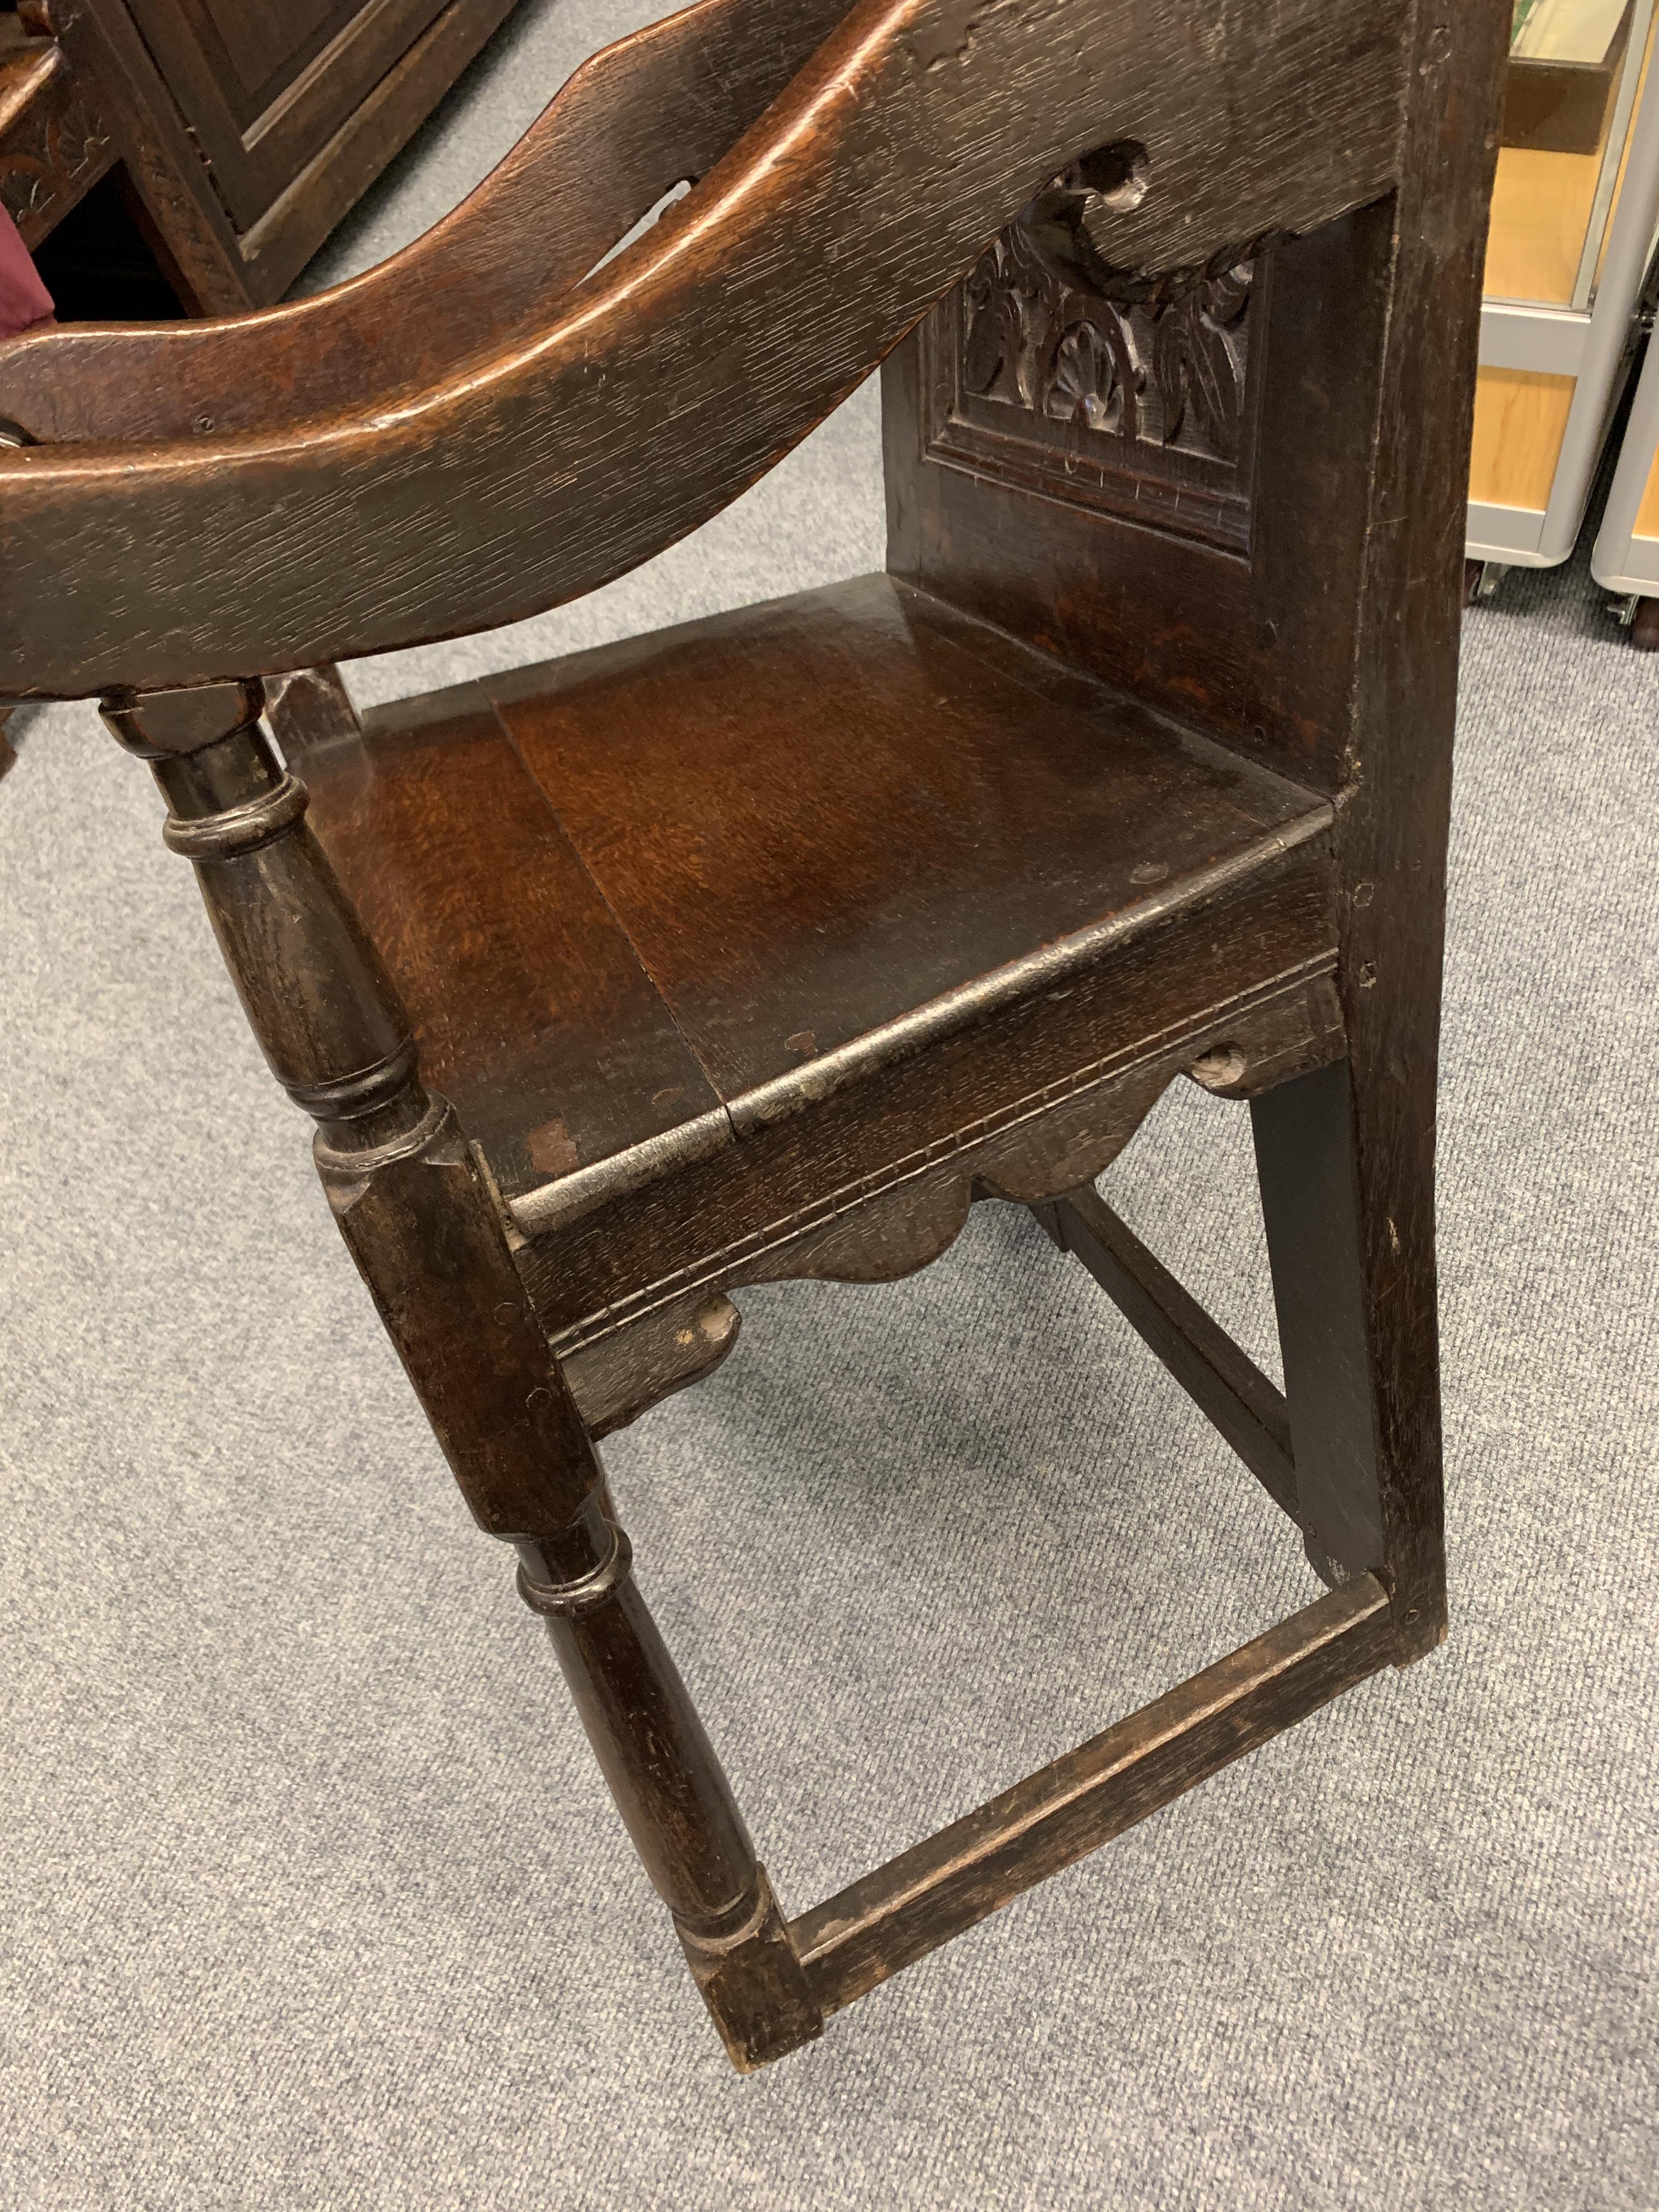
1571 239
1625 555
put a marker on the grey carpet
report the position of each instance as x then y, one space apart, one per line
311 1894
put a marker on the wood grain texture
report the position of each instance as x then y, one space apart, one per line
1262 649
409 1193
857 1940
1305 1164
1540 215
669 1786
1391 839
1027 904
1259 650
1329 653
507 487
309 711
1520 424
263 92
752 1983
54 141
422 1225
1114 364
651 1744
420 1217
877 1180
231 213
201 257
936 884
279 245
769 798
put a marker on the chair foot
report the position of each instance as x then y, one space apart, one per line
752 1981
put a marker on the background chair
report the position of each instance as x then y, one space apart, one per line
761 948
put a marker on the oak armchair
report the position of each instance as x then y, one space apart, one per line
763 947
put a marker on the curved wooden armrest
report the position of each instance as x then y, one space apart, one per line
689 363
640 117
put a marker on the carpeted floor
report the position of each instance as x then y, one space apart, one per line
312 1896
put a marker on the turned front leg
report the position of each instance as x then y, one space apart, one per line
415 1208
670 1788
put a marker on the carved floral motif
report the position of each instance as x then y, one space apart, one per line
49 152
1051 327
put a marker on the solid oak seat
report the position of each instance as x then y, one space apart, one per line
646 929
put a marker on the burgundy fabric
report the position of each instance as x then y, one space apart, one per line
23 298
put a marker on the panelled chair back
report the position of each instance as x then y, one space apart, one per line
761 947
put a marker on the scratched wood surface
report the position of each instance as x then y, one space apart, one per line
1328 650
855 1941
1392 837
743 863
532 1012
765 941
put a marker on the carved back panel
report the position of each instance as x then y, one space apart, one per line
1165 480
1128 395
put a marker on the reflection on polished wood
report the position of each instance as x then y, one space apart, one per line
1520 421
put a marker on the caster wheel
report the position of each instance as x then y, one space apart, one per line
1480 581
1644 626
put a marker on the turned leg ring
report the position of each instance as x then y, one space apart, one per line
563 1601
